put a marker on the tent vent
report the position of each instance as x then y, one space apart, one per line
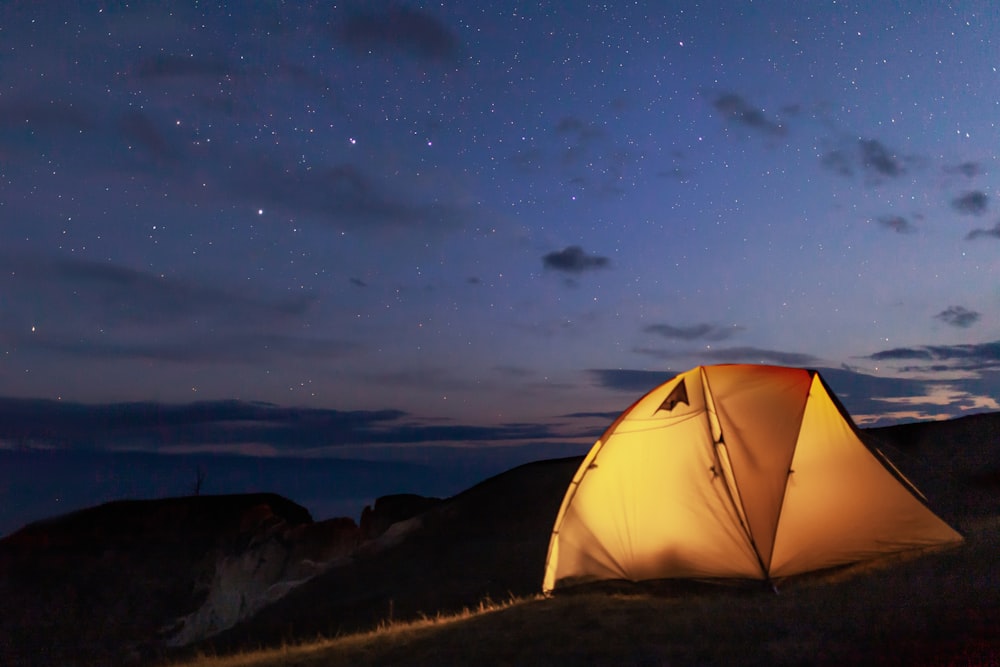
678 395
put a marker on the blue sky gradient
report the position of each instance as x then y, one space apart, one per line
349 228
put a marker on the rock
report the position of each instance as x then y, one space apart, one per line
270 559
100 584
392 509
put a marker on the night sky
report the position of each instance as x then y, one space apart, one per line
365 229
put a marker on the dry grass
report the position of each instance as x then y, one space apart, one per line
942 608
315 652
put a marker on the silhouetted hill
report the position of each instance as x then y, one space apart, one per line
489 541
955 463
95 585
120 582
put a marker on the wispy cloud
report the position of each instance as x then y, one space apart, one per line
838 161
993 232
35 423
221 347
95 310
958 316
870 157
585 153
142 133
636 381
870 399
944 357
735 109
896 223
973 202
49 116
63 290
730 355
398 28
702 331
342 196
876 399
968 169
759 355
167 66
876 157
27 123
573 259
577 129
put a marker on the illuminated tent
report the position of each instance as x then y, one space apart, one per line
734 471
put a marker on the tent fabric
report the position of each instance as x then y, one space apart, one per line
733 471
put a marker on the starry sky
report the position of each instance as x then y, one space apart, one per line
322 229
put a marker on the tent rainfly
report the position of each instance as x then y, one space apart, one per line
734 471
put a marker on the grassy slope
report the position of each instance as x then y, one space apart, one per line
942 608
926 611
489 541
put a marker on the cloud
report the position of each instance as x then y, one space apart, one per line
61 291
902 354
398 28
735 109
967 169
973 202
896 223
838 161
166 66
958 316
974 357
993 232
577 129
730 355
879 399
585 153
607 416
221 347
139 130
25 126
591 159
39 423
758 355
145 425
635 381
704 331
51 116
876 157
94 310
343 196
869 399
573 259
868 156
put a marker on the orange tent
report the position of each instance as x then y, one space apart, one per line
742 471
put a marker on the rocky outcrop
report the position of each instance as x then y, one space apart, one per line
131 582
271 557
102 584
393 509
274 558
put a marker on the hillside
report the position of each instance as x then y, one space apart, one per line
488 542
939 609
102 584
125 582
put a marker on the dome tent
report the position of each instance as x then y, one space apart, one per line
734 471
